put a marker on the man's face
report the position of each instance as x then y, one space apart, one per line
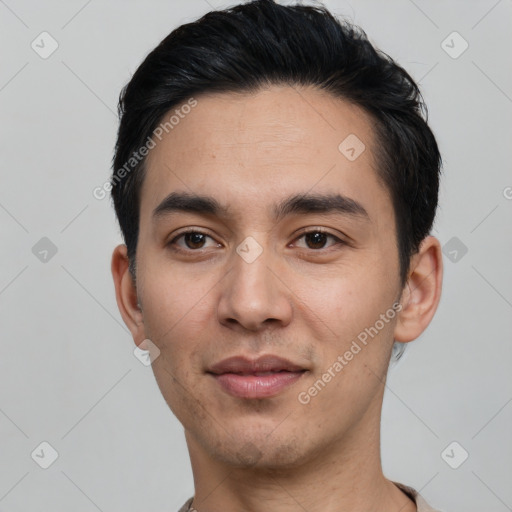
305 298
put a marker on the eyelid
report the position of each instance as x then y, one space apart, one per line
315 229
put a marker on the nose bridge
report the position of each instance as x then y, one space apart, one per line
252 293
251 265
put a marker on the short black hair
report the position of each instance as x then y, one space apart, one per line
253 45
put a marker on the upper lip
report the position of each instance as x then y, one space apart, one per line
265 363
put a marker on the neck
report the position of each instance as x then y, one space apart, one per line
345 476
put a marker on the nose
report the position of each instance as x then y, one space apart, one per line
255 295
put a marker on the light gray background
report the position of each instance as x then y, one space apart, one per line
67 369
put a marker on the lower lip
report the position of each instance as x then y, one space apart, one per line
256 386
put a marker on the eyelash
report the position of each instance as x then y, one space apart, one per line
302 234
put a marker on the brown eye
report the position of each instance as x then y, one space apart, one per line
194 240
316 239
191 241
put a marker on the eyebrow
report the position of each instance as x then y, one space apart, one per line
302 204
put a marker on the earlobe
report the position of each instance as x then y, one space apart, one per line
422 292
126 294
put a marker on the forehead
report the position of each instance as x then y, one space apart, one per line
252 149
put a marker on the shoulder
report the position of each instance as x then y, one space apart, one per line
421 504
186 506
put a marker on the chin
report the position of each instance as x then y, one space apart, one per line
261 452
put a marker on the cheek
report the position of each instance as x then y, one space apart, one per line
174 320
350 309
172 298
349 301
175 315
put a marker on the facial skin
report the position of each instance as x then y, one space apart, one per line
303 298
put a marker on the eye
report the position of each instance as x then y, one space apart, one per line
316 238
193 239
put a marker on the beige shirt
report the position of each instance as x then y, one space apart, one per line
421 504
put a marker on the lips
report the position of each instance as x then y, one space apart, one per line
260 378
241 365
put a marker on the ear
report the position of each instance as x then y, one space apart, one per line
126 295
422 292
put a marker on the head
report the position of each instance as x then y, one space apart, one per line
253 127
